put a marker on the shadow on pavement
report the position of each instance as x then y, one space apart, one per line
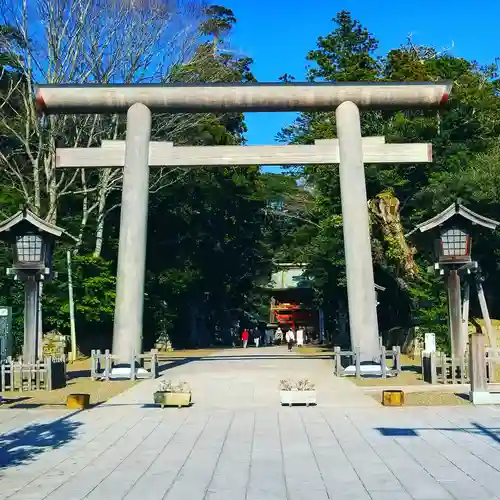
412 368
34 406
167 363
70 375
477 429
174 362
266 356
21 446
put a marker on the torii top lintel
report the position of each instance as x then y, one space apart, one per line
193 98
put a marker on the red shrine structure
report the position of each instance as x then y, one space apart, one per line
292 304
291 301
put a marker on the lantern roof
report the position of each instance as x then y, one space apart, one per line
454 210
18 223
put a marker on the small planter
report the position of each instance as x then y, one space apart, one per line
170 394
295 397
179 399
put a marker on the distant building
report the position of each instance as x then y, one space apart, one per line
292 300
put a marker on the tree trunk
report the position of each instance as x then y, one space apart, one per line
385 207
101 212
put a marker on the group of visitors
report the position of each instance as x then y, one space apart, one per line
290 336
245 337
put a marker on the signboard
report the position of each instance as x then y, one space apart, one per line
5 332
430 342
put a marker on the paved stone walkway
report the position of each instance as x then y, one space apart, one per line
249 378
219 450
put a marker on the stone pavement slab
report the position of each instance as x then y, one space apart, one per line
249 378
137 453
220 449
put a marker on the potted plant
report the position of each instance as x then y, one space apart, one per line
170 394
301 392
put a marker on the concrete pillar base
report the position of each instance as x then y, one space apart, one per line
366 370
484 398
123 372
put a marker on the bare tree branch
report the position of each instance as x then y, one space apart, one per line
98 41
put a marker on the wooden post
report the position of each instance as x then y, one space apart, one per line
486 315
33 363
477 366
432 368
107 364
48 370
39 375
455 306
71 308
154 363
338 362
12 378
383 361
132 366
397 358
358 362
93 365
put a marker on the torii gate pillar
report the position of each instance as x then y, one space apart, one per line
361 296
131 269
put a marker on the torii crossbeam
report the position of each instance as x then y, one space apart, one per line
161 154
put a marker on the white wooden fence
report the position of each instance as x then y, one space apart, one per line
20 375
393 354
102 364
439 368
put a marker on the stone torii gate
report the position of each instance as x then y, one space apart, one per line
349 151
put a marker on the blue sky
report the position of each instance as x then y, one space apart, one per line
277 34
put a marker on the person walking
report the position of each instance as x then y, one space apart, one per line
244 338
256 337
290 338
278 336
300 337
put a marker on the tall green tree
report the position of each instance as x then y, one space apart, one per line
206 254
401 195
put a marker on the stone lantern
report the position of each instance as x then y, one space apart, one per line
453 228
32 241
